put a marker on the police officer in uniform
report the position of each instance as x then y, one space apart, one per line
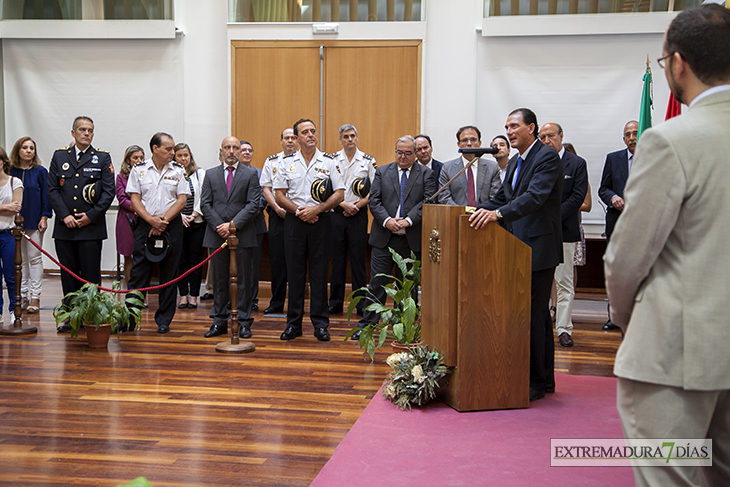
277 255
159 191
350 219
80 188
308 228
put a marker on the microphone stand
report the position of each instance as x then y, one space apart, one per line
478 152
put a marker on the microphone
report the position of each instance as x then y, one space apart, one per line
479 151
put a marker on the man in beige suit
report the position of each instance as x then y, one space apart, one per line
667 272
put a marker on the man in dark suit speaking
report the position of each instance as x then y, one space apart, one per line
528 205
231 193
397 195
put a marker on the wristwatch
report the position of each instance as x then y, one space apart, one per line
499 214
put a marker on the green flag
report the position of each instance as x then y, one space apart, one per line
646 104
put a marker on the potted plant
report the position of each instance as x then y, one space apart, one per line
96 309
415 377
403 320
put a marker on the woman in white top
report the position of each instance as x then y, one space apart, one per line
11 197
193 229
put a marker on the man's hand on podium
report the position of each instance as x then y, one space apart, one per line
481 217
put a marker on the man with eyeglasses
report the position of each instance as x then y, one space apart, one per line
613 181
396 199
308 227
424 152
575 186
478 183
666 265
350 218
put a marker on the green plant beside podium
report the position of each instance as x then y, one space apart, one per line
90 306
403 320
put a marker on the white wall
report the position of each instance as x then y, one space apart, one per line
591 84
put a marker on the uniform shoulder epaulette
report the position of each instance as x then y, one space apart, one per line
178 165
331 156
272 157
139 163
367 156
290 155
101 150
62 148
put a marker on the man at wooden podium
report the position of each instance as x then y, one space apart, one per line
528 206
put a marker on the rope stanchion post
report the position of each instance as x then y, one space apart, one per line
17 327
235 345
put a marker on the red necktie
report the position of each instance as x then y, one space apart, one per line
229 179
470 190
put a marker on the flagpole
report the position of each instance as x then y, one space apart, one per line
647 102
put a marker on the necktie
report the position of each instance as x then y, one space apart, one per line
403 182
78 159
517 172
470 187
229 179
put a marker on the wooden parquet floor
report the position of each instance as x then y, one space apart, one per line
172 409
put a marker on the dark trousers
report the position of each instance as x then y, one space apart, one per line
349 234
168 267
221 264
83 257
277 258
255 263
307 247
7 268
542 347
381 262
192 255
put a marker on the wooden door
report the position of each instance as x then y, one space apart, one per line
374 85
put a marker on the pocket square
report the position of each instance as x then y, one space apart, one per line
568 176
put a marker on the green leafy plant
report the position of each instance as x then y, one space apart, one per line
403 320
414 378
90 306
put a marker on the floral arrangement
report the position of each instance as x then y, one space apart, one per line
414 378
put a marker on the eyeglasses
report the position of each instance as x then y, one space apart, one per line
407 153
473 140
661 60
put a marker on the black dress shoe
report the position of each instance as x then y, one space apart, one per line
609 326
355 336
535 394
215 330
63 328
550 390
192 306
334 310
254 306
163 328
244 331
291 333
206 297
322 334
183 306
272 310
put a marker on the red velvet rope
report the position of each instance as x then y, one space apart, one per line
119 291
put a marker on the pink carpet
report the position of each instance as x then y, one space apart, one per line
436 445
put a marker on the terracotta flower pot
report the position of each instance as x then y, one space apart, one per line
401 347
98 338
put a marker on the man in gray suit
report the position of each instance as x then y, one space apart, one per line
231 194
396 199
666 269
478 183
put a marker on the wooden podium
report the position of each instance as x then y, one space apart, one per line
475 303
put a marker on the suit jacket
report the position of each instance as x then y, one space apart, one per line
666 266
531 212
436 167
613 181
575 186
67 178
385 199
241 206
488 182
